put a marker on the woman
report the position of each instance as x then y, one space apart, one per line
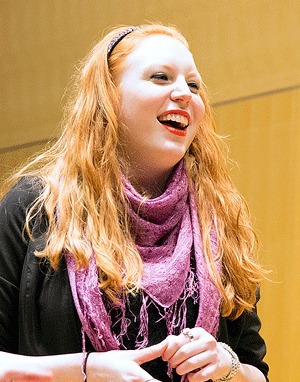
128 231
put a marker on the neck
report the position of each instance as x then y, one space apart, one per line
148 183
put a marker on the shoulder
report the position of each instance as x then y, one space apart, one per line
17 202
23 193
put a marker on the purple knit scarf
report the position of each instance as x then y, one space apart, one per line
166 232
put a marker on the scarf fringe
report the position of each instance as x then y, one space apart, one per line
174 316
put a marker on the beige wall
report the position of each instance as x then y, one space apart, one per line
248 53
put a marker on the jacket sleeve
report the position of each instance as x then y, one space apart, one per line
13 246
242 334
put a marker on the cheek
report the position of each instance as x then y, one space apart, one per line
200 110
128 112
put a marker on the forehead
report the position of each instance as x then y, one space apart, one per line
161 49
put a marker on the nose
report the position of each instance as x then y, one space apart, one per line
181 93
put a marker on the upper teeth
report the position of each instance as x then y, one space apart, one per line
176 118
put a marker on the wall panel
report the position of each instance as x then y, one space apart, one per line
265 142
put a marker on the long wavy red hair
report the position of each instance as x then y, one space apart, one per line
81 177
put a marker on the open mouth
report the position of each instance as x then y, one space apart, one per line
176 121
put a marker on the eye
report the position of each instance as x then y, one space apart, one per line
160 77
194 86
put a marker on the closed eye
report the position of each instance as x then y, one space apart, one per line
160 77
194 86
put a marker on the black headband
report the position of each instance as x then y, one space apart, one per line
117 39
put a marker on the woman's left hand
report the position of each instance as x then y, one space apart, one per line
197 353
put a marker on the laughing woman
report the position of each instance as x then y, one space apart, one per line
126 253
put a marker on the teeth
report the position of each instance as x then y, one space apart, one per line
175 118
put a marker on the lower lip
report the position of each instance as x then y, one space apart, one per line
180 133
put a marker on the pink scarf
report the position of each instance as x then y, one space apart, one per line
166 232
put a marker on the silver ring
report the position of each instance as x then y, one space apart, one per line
187 332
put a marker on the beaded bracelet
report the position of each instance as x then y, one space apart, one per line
84 363
235 364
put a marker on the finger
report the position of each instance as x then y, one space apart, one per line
141 356
196 377
174 343
190 364
204 374
186 353
202 347
188 344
